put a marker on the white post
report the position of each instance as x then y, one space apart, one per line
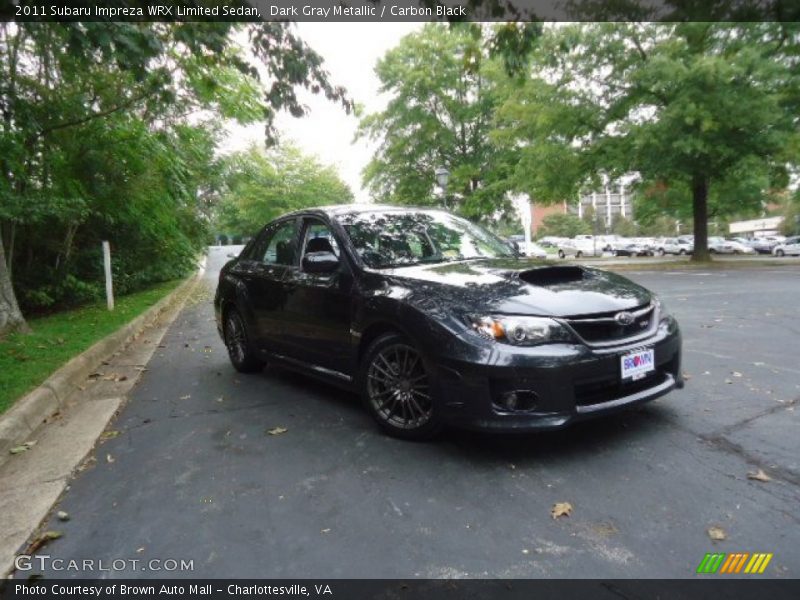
109 282
527 222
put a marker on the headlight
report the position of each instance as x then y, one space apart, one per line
661 308
520 331
666 321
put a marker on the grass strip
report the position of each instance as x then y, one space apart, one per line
26 360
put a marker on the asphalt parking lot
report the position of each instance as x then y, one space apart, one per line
195 475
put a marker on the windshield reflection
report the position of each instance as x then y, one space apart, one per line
405 238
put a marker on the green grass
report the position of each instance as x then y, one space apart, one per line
26 360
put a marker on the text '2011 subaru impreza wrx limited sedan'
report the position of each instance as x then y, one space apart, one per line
435 321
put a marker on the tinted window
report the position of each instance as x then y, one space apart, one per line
391 239
281 247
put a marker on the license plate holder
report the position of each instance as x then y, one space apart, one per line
637 364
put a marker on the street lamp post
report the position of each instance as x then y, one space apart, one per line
442 177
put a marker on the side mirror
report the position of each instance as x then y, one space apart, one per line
320 262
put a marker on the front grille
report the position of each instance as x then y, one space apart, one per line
605 328
612 388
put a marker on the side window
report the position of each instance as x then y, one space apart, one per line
281 247
319 238
255 250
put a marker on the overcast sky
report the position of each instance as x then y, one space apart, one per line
350 51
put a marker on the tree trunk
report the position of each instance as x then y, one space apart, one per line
11 318
700 211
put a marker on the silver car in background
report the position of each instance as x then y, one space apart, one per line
789 247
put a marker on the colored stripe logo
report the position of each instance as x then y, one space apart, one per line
734 562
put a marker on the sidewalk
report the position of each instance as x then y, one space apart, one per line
32 481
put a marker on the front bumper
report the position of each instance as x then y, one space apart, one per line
563 383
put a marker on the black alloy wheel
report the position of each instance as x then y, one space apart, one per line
397 389
240 351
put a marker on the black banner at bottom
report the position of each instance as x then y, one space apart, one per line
398 589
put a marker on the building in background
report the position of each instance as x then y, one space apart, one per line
757 227
614 199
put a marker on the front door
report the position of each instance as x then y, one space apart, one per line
318 312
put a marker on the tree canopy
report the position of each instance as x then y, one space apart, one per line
705 113
258 186
440 114
109 131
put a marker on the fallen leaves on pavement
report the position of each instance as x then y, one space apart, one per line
22 448
277 430
561 509
717 533
62 515
759 475
109 435
42 540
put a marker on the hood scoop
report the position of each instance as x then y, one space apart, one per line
547 276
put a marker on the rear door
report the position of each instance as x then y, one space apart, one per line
273 258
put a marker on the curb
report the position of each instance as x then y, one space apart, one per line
33 409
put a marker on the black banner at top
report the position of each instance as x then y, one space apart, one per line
399 10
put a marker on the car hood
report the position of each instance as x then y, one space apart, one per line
521 287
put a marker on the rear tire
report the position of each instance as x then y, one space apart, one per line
237 341
662 252
561 254
780 253
397 390
579 254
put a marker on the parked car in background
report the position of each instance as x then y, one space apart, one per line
435 321
633 249
551 241
765 245
532 250
741 246
719 245
673 246
789 247
580 246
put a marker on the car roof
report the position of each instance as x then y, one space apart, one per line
342 209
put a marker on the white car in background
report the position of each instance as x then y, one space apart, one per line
765 244
718 245
673 246
741 247
580 246
788 247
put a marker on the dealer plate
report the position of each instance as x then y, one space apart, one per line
638 364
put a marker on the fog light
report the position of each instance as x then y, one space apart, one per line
518 400
509 400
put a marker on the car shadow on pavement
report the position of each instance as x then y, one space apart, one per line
605 434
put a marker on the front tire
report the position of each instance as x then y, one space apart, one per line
561 254
780 253
579 254
237 341
397 389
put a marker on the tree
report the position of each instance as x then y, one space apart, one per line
704 112
72 88
259 186
442 85
564 225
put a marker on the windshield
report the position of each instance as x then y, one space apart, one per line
397 239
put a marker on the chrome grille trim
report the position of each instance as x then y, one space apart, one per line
576 324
